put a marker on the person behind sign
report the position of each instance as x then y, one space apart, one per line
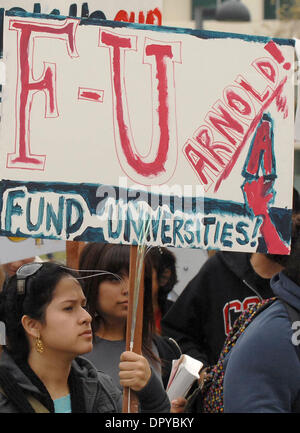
164 278
262 370
47 327
226 285
107 298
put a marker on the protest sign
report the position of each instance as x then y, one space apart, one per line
141 11
297 119
105 125
13 249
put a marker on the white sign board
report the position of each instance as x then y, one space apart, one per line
106 125
297 119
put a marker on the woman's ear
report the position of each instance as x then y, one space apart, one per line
31 326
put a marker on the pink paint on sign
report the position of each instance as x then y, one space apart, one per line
93 95
27 86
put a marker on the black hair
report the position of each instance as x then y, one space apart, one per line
162 259
13 306
283 259
291 262
114 258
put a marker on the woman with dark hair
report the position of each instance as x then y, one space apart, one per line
47 327
107 300
164 279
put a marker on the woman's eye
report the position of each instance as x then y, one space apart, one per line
113 279
68 308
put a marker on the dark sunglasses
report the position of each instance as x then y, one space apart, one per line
23 273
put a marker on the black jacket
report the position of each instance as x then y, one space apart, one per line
203 314
91 391
168 350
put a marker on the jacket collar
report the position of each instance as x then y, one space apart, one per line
21 378
239 263
83 381
286 289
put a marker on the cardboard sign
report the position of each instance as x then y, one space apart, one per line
13 249
297 119
107 125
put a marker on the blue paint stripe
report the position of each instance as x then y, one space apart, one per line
280 217
88 192
202 34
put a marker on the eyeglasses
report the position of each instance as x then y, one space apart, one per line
23 273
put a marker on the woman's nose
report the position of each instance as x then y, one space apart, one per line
125 285
86 317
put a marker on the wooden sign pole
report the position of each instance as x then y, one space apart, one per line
130 399
73 250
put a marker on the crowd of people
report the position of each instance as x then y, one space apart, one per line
65 345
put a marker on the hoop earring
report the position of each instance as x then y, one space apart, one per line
39 345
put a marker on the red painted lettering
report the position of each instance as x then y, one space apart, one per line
203 164
281 102
238 100
267 68
219 151
261 97
122 16
141 17
273 49
259 190
90 94
259 194
251 129
28 86
261 153
225 123
160 56
154 17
